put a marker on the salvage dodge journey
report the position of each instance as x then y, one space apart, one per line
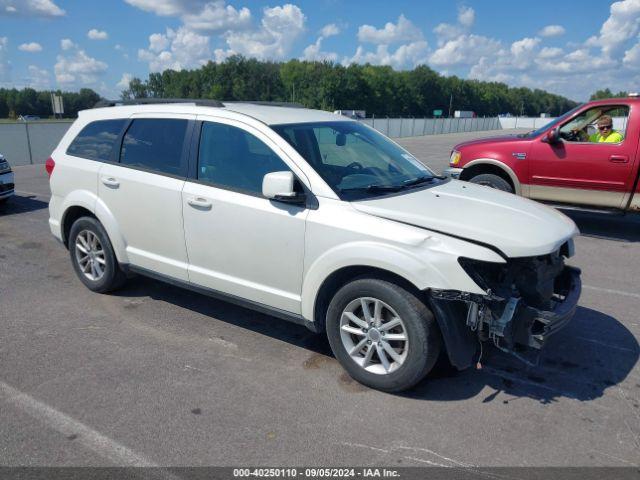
314 218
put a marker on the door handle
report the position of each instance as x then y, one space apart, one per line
110 182
619 159
199 202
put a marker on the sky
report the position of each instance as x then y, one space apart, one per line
572 48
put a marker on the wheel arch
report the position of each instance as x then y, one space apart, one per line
340 277
489 165
82 204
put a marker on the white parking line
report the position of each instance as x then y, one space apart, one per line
70 427
608 290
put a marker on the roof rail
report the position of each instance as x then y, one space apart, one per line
269 104
152 101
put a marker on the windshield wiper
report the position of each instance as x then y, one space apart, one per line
421 180
395 188
374 188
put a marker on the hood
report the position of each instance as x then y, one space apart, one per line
516 226
489 140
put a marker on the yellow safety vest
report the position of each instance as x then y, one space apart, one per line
613 137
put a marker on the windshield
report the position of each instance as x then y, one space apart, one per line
356 161
539 131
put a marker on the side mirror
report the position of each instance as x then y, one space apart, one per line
280 186
552 136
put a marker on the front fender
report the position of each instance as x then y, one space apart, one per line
422 266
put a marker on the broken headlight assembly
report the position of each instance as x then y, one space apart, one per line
526 300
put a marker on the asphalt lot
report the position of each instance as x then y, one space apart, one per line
156 375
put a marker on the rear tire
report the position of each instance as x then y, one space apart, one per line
92 256
493 181
360 344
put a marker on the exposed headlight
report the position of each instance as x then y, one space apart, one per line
455 158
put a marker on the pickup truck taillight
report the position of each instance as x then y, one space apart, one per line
49 165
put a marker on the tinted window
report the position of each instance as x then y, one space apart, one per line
155 144
230 157
96 140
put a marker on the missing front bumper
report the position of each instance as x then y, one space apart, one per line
532 326
506 322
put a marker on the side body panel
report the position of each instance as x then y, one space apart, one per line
147 207
339 236
242 244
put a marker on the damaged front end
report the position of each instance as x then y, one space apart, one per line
527 300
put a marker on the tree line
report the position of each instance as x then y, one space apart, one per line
14 102
380 90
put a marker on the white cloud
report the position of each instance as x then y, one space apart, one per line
622 25
39 78
167 8
67 44
159 42
78 68
216 16
523 52
552 31
30 8
31 47
279 29
631 57
407 55
176 50
330 30
466 16
445 31
550 52
465 50
95 34
123 84
200 15
314 52
403 31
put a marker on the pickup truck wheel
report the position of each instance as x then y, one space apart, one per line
92 256
493 181
383 335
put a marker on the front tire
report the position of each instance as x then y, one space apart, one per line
383 335
92 256
493 181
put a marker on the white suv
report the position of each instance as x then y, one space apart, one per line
314 218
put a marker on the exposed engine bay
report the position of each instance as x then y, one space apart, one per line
526 301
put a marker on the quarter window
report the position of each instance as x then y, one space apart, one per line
233 158
155 144
96 140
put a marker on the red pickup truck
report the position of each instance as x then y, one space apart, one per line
558 163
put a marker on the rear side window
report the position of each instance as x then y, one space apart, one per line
155 144
232 158
96 140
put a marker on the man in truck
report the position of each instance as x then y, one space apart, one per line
606 133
